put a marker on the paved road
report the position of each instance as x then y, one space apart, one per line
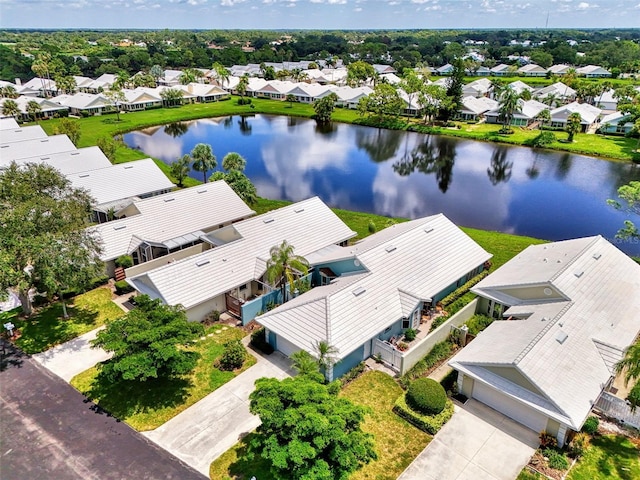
50 431
73 357
206 430
478 443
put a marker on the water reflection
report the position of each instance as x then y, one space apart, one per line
540 193
176 129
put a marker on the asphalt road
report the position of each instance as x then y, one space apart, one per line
49 430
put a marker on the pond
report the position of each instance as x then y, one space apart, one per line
540 193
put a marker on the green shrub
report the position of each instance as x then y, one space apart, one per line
439 352
450 383
427 423
259 342
544 139
352 374
410 334
547 440
427 396
591 425
371 227
459 292
579 444
478 323
244 101
123 287
124 261
556 459
211 317
634 397
233 355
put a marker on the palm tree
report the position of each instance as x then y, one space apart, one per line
543 117
326 355
222 74
117 98
574 122
604 87
234 161
509 104
180 168
243 83
8 92
203 159
630 363
552 99
304 363
190 75
33 109
122 80
283 265
10 108
290 98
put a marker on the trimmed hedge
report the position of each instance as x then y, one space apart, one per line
439 352
459 292
427 396
427 423
123 287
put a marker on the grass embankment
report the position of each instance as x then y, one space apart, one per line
397 442
608 457
48 328
147 405
613 147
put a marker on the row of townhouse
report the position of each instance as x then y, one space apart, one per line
528 70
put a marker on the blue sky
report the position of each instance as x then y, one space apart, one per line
318 14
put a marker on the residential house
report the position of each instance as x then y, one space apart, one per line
141 98
607 101
532 70
82 82
617 122
502 70
102 83
349 97
519 86
480 71
559 69
170 78
382 69
526 114
373 291
203 93
172 224
593 71
48 108
446 69
8 123
230 275
590 115
566 313
44 86
73 161
558 90
309 92
474 108
84 103
477 88
40 147
275 89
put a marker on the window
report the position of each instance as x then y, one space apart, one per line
406 323
243 287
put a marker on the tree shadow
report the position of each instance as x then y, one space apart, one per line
125 398
617 455
247 466
10 356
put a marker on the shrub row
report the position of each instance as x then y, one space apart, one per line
439 352
123 287
459 292
427 423
352 374
478 323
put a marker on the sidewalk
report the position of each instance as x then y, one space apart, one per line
206 430
73 357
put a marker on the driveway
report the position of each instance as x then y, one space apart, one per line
73 357
51 431
209 428
478 443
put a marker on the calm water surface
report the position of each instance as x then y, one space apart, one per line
519 190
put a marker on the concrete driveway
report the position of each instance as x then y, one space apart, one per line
209 428
478 443
73 357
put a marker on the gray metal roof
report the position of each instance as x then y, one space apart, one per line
308 225
405 264
122 181
164 217
565 348
35 148
22 133
74 161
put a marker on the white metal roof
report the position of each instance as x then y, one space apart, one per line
74 161
124 180
566 348
22 133
589 113
35 148
308 225
8 123
82 101
404 264
171 215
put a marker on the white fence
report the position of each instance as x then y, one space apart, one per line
387 353
617 408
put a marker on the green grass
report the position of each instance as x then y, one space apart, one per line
609 457
47 327
529 475
397 442
147 405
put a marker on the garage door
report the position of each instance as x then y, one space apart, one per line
509 407
285 346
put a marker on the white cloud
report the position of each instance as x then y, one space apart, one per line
358 9
230 3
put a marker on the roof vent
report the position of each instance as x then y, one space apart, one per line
299 210
169 200
204 190
268 220
597 256
44 141
119 227
359 291
84 175
75 153
561 337
202 262
579 273
45 158
428 229
391 248
128 167
544 319
547 291
4 146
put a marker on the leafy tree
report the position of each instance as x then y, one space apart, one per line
70 128
454 90
412 84
149 342
44 245
630 363
543 117
144 80
573 125
203 159
359 73
239 183
180 168
509 104
10 108
157 73
630 195
284 266
108 146
116 98
432 99
308 431
234 161
33 109
323 107
383 102
290 98
543 139
634 397
542 58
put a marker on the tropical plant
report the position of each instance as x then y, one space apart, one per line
573 125
10 108
630 195
239 183
157 73
243 84
108 146
543 139
306 365
203 159
326 355
284 266
66 84
544 117
509 105
171 96
33 109
359 73
291 98
634 397
70 128
180 169
590 425
8 91
221 73
323 107
116 98
630 363
234 161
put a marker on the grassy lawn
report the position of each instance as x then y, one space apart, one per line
397 442
48 328
619 148
147 405
609 457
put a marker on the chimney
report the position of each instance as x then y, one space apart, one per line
18 82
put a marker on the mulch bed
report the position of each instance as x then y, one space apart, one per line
539 463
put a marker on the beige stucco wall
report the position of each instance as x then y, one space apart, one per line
514 376
197 313
467 386
552 427
532 293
